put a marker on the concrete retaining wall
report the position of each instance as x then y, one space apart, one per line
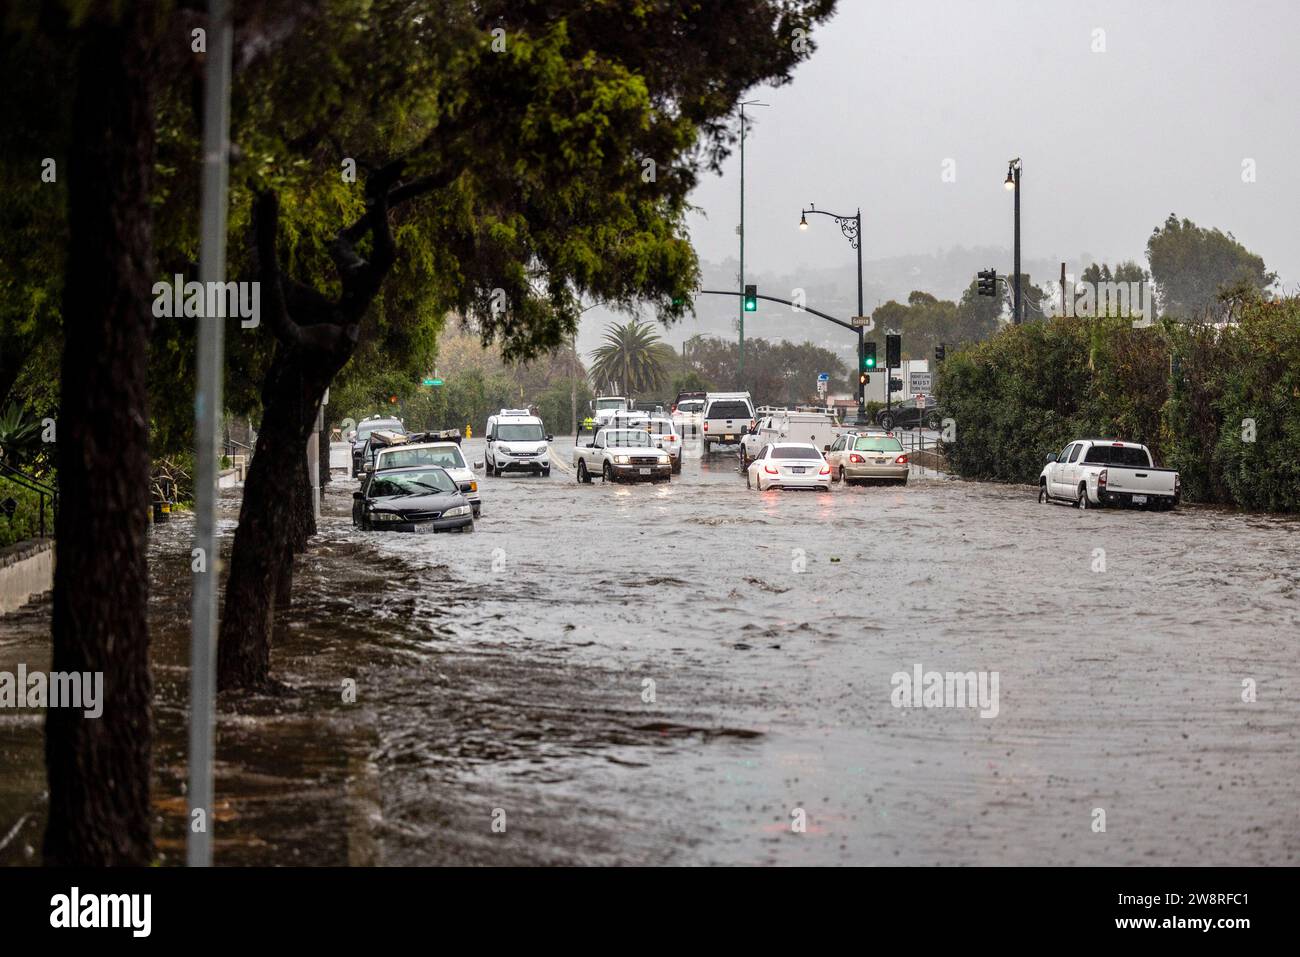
26 570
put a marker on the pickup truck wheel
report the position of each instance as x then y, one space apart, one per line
583 477
1082 501
1043 497
607 473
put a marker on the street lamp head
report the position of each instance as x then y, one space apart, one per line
1011 179
803 221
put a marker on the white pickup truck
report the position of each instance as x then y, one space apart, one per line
618 454
1094 472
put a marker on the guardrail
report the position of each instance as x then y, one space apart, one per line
33 484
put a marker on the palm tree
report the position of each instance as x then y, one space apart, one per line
632 359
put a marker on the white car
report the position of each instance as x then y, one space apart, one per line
446 454
664 434
517 442
789 465
814 428
687 417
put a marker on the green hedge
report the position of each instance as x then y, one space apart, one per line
1185 391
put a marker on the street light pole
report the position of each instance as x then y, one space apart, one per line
851 227
1013 183
741 371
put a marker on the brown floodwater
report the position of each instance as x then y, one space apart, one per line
674 674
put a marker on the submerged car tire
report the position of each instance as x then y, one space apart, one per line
607 473
546 472
886 422
584 477
677 467
1043 497
1082 501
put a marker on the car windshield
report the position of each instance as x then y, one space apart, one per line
693 405
795 452
610 403
1123 455
729 410
872 443
627 438
520 433
448 457
424 482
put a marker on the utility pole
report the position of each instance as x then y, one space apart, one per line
207 406
741 370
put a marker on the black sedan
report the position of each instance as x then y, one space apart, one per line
417 498
905 415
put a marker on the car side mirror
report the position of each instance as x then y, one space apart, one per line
549 437
358 495
1051 458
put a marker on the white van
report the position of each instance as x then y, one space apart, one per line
516 442
727 416
811 428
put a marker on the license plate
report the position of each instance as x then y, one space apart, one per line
1139 499
729 438
644 471
880 461
797 471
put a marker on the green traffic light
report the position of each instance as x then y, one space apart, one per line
751 305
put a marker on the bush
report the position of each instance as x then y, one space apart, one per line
1218 403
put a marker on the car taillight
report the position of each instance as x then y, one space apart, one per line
856 459
706 426
901 460
826 470
1101 477
1178 483
771 471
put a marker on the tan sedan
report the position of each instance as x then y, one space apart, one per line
862 456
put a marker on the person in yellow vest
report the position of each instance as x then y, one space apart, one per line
588 424
469 432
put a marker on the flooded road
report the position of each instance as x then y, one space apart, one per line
694 673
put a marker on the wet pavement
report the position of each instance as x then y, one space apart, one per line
677 674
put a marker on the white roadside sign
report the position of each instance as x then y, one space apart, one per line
920 382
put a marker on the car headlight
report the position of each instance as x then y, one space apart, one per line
663 456
473 486
385 517
620 460
504 449
456 510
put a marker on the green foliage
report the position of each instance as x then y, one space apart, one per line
631 361
776 373
1192 266
1227 416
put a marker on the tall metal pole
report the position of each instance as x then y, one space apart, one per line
207 407
862 392
1018 316
741 372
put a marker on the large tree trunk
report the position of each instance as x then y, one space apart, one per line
99 768
272 527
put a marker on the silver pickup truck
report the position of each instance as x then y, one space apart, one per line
1094 472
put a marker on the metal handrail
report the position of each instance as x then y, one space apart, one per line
33 484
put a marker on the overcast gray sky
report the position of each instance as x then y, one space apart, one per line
1112 141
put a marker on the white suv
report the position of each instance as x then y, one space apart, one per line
517 442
